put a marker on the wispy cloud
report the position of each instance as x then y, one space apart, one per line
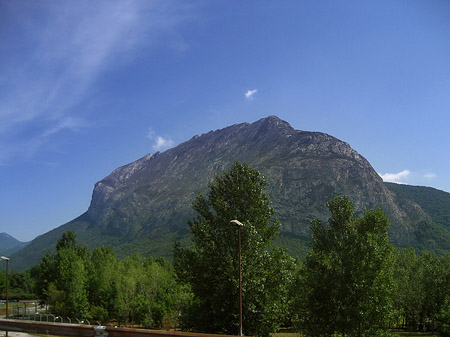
429 175
399 177
58 57
250 93
408 177
160 143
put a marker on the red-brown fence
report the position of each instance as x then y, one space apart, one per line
64 329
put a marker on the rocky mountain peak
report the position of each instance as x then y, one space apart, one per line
272 122
150 199
305 170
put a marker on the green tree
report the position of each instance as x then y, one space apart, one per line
62 277
348 273
71 265
44 274
408 295
103 286
56 299
68 240
147 291
133 302
210 266
422 288
20 284
432 278
79 284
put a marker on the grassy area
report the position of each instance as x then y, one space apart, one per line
414 334
286 334
11 306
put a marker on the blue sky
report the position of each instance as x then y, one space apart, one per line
87 86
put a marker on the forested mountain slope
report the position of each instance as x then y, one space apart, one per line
9 245
434 234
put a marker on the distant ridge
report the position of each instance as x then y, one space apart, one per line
435 234
9 245
144 206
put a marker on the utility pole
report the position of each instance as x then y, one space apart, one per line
7 260
239 226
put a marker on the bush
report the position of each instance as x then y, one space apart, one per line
443 321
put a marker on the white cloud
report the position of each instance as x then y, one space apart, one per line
429 175
161 143
399 177
249 94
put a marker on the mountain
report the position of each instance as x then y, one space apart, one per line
144 206
10 245
435 234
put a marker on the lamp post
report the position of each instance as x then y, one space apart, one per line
239 225
7 260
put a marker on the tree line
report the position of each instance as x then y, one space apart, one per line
353 281
136 290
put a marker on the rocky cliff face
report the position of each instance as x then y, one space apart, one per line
144 206
152 196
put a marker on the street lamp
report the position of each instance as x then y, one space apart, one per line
7 260
239 225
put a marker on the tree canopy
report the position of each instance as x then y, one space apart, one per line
210 265
348 279
82 284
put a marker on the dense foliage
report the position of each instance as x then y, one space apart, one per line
422 290
435 202
434 234
348 275
21 285
352 283
146 291
210 266
83 284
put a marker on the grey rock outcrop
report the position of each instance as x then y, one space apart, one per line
145 205
152 195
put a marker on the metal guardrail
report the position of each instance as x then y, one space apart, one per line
65 329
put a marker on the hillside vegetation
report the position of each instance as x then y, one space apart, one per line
434 234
